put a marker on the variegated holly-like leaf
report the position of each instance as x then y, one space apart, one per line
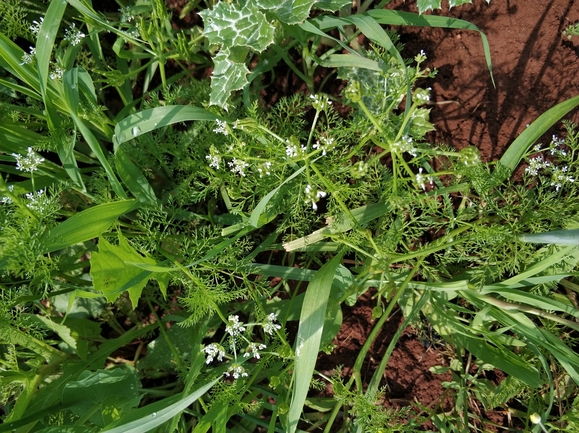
227 77
295 12
233 25
331 5
424 5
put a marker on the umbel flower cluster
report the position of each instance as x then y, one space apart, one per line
235 330
235 155
72 35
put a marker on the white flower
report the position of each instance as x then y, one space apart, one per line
212 351
420 179
270 326
221 127
28 58
126 16
28 163
253 349
313 196
35 27
214 161
37 201
326 144
236 370
536 164
235 327
320 103
7 200
57 73
535 418
73 35
265 169
238 166
291 150
404 145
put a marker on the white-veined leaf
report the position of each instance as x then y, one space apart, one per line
230 25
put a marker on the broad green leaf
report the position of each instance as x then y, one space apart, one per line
66 429
514 154
112 392
228 76
230 25
557 237
12 335
154 118
155 418
133 178
62 331
112 272
85 225
161 357
424 5
312 318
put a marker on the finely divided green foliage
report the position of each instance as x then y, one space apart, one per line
217 197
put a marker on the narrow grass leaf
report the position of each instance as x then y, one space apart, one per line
10 59
85 225
45 41
553 259
514 154
254 218
133 178
343 223
557 237
351 61
148 120
397 18
155 419
96 147
312 318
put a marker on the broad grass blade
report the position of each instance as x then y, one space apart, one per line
312 318
362 215
254 218
557 237
133 178
85 225
514 154
542 265
397 18
148 120
155 419
45 41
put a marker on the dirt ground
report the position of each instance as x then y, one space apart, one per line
534 68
